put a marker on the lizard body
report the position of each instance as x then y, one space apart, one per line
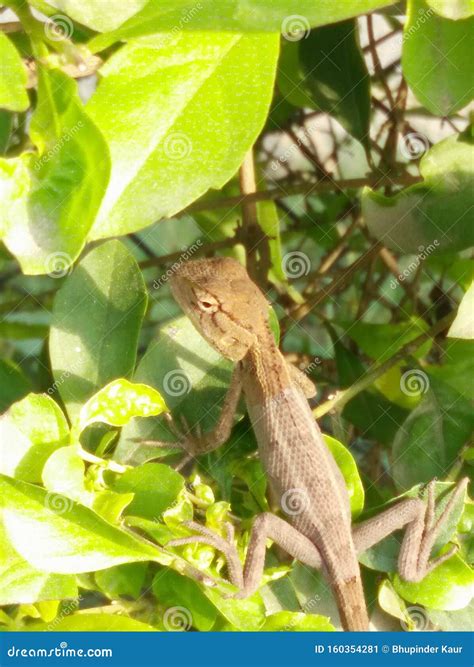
231 313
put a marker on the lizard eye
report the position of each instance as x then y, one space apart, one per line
207 306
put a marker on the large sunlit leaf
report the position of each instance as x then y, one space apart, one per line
13 77
97 315
50 199
433 215
191 124
69 538
436 58
290 17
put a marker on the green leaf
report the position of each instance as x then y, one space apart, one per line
450 586
458 369
13 384
22 583
348 467
90 622
30 431
97 14
290 621
433 215
463 325
188 373
291 17
192 127
449 621
429 441
382 341
186 603
122 580
452 9
63 473
155 485
119 402
51 198
246 615
435 58
6 127
337 78
13 95
97 315
68 538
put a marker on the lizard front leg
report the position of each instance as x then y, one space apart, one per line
421 532
197 443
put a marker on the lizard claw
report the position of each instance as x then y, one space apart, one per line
225 545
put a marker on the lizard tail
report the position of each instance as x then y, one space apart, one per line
351 604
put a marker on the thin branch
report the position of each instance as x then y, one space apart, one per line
343 397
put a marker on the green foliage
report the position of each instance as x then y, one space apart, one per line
127 114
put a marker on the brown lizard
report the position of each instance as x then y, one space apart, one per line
231 313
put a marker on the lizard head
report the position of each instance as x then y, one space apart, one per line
224 305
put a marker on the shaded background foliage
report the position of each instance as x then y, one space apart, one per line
122 130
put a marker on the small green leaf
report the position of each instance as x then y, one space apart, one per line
431 216
13 95
463 325
97 315
336 76
435 58
246 615
449 586
119 402
122 580
348 467
187 605
63 473
30 431
156 486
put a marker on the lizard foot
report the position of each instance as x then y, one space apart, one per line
433 528
224 545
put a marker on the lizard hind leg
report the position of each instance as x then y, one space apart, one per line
414 562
